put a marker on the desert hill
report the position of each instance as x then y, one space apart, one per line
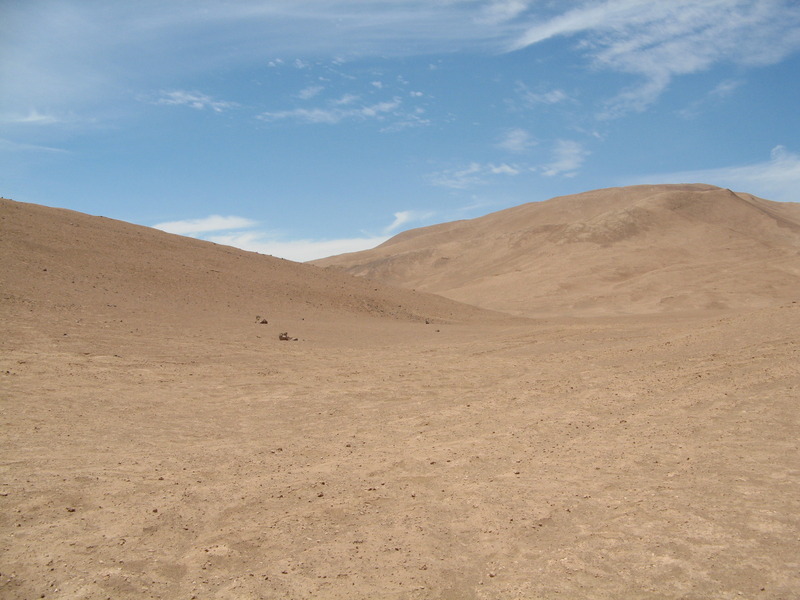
62 269
640 249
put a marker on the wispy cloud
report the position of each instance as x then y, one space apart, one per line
57 53
404 217
722 90
298 250
346 99
206 224
777 178
500 11
473 174
12 146
407 121
33 117
309 92
248 234
531 98
516 140
333 115
661 40
194 100
568 156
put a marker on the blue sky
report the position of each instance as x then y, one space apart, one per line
306 128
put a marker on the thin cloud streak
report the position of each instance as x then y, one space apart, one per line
309 92
722 91
204 225
405 217
332 116
568 156
516 140
530 98
775 179
296 250
661 40
472 175
223 230
67 52
12 146
501 11
34 117
56 52
196 100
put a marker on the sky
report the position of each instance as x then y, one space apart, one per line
308 128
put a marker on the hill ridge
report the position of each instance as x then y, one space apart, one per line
95 269
566 254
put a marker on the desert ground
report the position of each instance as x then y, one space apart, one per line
628 433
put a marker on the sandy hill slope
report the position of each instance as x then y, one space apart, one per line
639 249
63 269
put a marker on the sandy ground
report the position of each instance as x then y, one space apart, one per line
145 455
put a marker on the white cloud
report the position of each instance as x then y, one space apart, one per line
568 156
726 88
225 230
473 174
211 223
530 98
406 121
346 99
381 107
516 140
305 115
500 11
502 169
661 40
297 250
775 179
66 53
333 115
11 146
459 178
716 95
33 117
405 217
195 100
309 92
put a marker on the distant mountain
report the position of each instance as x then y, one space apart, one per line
631 250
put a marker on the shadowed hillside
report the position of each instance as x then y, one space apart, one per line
641 249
